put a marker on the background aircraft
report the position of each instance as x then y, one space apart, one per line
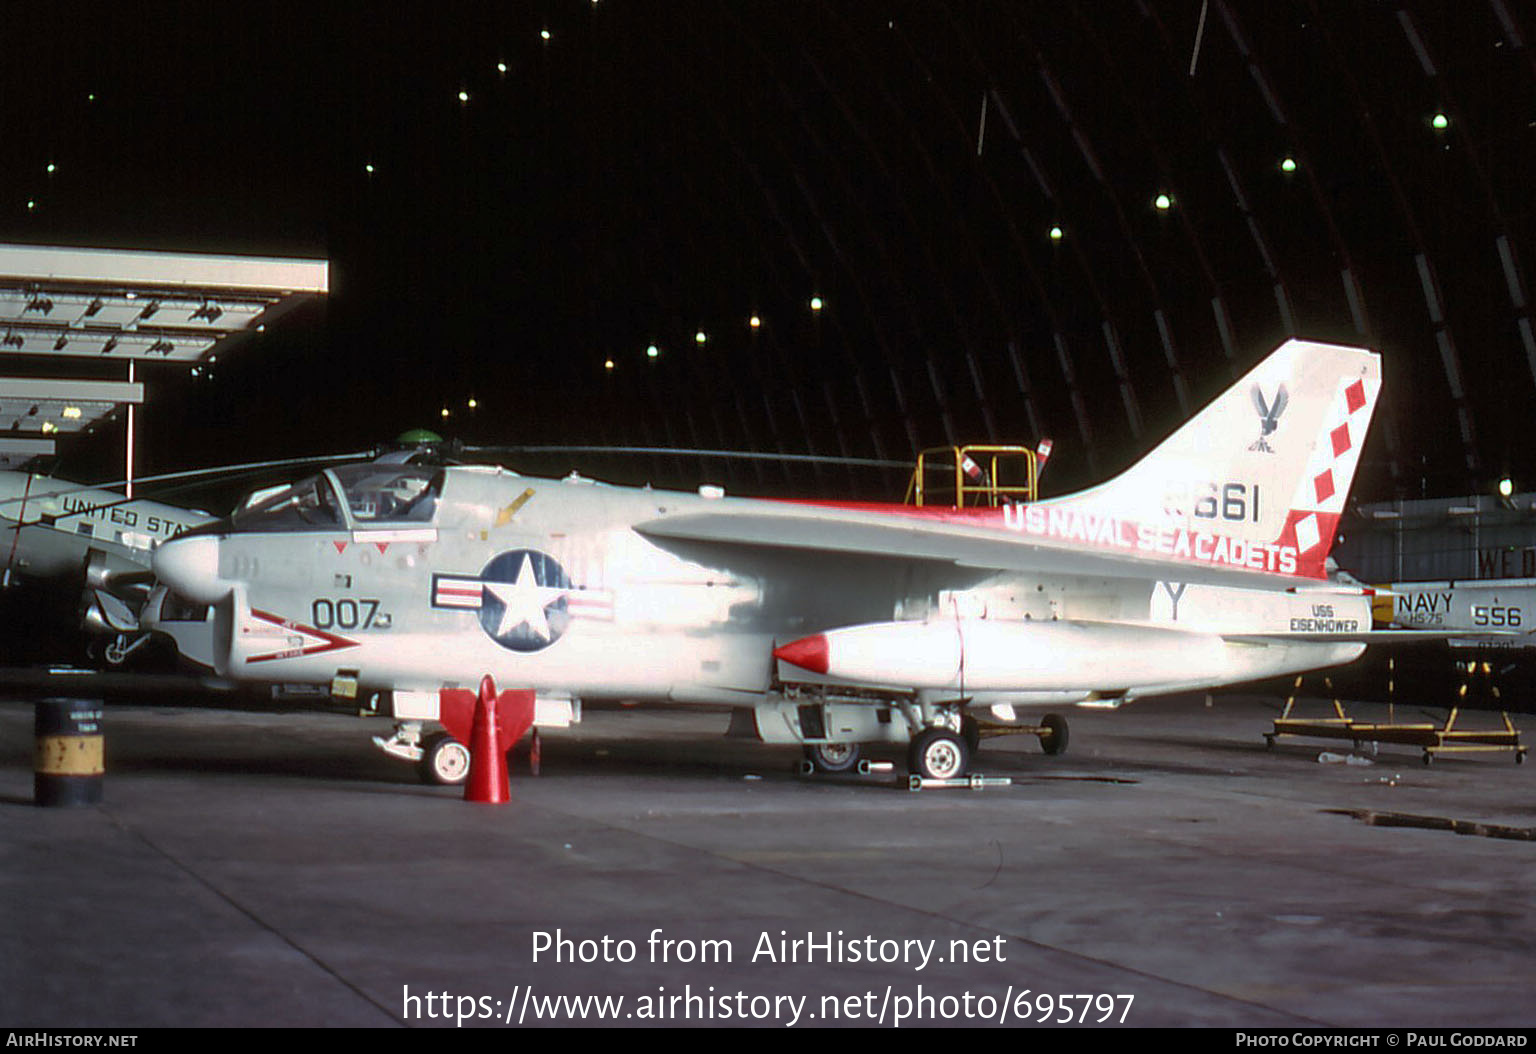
1487 660
831 625
1504 607
80 556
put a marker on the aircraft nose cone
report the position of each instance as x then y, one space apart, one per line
190 566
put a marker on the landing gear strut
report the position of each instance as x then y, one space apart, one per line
117 649
438 757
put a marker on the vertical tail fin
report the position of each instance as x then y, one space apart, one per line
1259 477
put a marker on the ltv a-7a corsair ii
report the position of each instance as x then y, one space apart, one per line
833 625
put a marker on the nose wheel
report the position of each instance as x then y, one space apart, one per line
444 761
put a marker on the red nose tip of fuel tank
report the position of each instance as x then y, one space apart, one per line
808 653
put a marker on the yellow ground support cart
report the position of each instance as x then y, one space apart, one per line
1434 739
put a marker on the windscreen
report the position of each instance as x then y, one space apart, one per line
390 493
307 505
373 494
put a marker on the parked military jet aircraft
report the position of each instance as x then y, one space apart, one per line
833 625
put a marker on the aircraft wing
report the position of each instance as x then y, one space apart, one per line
838 532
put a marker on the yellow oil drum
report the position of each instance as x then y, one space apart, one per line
67 761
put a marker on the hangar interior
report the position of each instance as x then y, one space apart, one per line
861 230
81 324
856 229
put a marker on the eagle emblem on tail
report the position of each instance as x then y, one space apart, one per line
1269 416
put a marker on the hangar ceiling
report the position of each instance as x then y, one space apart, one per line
1019 220
72 317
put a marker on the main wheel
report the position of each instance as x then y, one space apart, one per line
1054 741
938 754
444 760
833 757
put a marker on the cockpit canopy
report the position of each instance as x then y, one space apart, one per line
348 497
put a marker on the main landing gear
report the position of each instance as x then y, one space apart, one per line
833 757
942 746
944 751
938 754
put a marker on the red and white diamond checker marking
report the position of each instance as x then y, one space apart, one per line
1319 499
1323 484
1307 534
1355 396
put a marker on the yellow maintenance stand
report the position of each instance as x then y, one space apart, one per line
975 476
1434 739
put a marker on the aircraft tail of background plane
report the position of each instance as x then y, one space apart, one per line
1257 479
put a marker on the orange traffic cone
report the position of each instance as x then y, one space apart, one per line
487 781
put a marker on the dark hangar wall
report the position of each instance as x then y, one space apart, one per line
647 172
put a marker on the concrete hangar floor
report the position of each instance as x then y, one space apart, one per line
262 869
